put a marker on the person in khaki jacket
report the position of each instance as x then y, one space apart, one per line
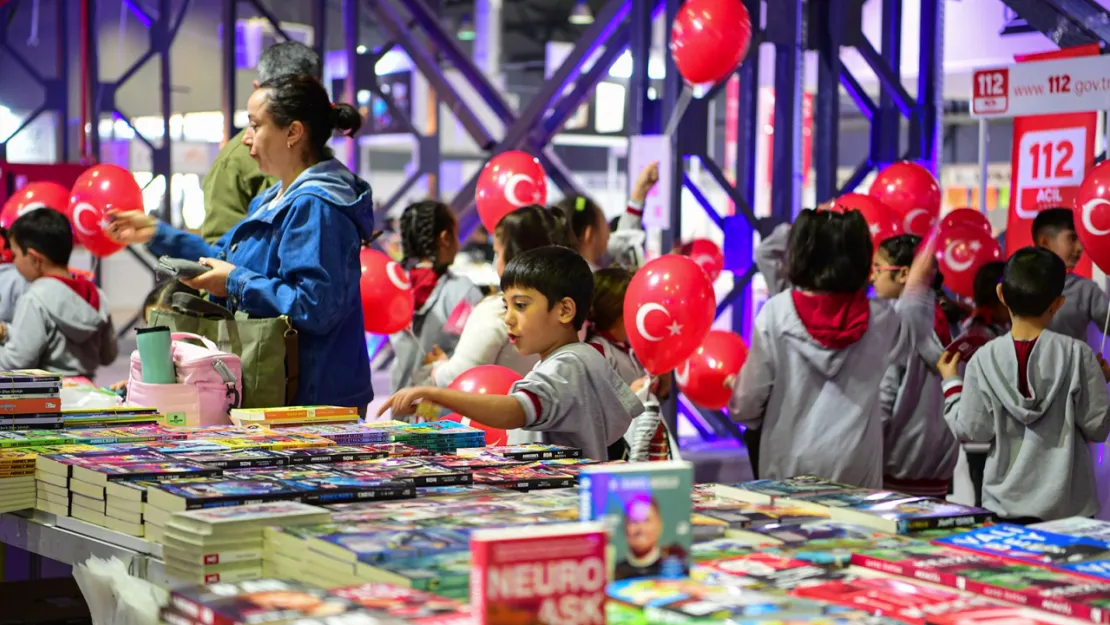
234 178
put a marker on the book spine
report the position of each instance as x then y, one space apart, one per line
908 570
1033 599
479 565
198 612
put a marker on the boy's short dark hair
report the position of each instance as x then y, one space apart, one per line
47 232
1052 221
1033 279
829 252
986 284
556 272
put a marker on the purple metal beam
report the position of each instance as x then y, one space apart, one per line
426 62
450 48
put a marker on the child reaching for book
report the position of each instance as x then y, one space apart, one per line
607 335
1038 397
819 351
1084 302
430 241
572 396
920 450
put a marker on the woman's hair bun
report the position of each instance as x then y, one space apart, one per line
345 118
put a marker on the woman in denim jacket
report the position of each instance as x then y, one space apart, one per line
297 252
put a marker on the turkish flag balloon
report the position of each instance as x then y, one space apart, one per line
911 192
966 217
508 182
485 380
706 254
387 301
100 189
961 252
702 377
709 39
881 219
668 310
1092 215
33 196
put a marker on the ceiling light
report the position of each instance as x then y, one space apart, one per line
581 14
465 31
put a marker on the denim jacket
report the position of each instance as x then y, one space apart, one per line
299 257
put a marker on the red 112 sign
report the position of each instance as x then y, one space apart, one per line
1050 168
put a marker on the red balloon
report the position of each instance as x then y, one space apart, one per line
100 189
485 380
702 377
1092 212
668 310
709 39
911 192
961 252
33 196
508 182
966 217
706 254
883 221
387 301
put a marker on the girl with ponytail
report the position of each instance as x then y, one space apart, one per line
429 243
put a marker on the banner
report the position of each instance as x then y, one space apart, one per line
1052 152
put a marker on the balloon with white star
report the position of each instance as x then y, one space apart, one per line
961 251
668 311
1092 215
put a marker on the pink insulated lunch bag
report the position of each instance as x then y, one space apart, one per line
209 383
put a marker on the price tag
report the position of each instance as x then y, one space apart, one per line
175 418
1050 168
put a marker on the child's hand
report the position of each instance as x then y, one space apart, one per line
639 384
924 263
404 402
730 382
662 387
434 356
1105 366
949 364
118 386
644 183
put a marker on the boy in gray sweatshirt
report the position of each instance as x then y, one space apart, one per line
1084 301
61 323
1038 397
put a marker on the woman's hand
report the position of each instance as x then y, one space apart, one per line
949 365
130 227
215 280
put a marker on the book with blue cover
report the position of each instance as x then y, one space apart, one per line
646 508
1025 544
385 546
339 488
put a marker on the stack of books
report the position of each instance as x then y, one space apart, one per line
343 433
17 480
417 470
529 452
124 434
30 399
294 415
443 437
225 544
413 606
258 602
110 417
526 477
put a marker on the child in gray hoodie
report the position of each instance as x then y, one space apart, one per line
1036 396
1085 303
61 323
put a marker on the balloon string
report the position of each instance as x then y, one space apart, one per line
679 110
1105 327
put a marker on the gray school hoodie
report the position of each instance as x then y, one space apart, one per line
770 259
12 286
576 399
1038 464
919 444
57 330
819 407
409 348
1084 303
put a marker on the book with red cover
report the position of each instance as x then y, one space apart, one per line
765 571
254 601
1052 591
998 615
539 574
414 606
899 599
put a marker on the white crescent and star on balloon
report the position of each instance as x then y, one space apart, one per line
674 328
682 375
1085 216
78 214
397 276
950 260
511 194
